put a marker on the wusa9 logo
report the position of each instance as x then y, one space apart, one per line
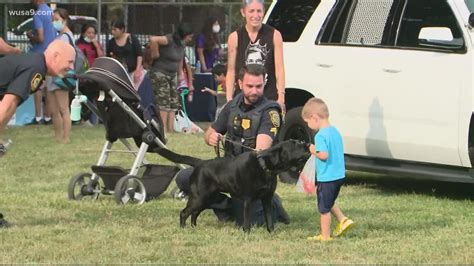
30 12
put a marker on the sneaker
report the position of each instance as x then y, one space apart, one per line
342 227
32 122
180 195
318 238
3 150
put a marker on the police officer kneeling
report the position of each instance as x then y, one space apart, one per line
250 121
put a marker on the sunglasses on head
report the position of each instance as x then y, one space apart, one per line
248 2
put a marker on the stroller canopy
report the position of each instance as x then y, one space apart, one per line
109 74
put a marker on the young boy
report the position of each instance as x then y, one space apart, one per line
330 169
219 72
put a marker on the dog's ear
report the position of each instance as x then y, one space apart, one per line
272 156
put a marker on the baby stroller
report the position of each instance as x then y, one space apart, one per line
124 116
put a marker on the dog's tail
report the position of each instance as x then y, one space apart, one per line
178 158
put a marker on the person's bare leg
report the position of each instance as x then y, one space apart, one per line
164 118
326 225
7 110
171 121
338 213
56 116
47 111
38 109
62 98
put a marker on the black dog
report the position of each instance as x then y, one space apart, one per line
248 176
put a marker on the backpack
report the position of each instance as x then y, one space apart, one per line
81 64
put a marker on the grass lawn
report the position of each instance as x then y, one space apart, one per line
397 220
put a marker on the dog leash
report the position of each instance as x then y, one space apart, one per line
261 161
221 142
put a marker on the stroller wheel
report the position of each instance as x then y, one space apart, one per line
82 187
130 190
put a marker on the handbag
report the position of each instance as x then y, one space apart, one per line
183 124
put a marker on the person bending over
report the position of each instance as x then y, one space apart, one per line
22 74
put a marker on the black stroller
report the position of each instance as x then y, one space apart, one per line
120 108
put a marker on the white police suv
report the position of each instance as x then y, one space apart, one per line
397 76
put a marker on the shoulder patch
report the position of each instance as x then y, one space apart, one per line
275 117
36 81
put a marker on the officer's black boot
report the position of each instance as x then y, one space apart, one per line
3 222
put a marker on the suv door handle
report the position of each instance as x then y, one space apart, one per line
391 71
324 65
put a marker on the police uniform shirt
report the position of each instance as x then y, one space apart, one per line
21 74
269 124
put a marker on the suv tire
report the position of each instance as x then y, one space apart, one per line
294 128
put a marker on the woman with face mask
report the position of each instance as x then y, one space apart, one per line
208 44
89 44
167 53
59 96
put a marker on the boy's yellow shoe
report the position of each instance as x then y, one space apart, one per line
318 238
342 227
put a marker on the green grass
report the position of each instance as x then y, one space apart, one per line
397 220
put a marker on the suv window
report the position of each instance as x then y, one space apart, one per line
428 13
470 5
368 22
362 22
291 16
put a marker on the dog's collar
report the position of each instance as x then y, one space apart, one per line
263 164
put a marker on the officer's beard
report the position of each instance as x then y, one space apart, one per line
251 99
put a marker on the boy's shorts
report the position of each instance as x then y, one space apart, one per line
327 193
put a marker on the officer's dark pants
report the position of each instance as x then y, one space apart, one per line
219 203
227 209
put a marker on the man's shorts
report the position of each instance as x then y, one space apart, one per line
166 93
327 193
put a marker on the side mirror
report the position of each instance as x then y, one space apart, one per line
471 20
440 37
431 34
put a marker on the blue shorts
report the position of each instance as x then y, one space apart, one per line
327 193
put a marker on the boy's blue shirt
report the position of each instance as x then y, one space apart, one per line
329 140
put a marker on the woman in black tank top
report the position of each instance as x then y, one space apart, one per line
256 43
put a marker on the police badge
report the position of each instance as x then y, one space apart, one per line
245 124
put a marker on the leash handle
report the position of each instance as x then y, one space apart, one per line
219 147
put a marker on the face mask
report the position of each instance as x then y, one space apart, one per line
216 28
87 40
183 43
58 25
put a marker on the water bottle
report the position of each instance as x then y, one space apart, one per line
76 107
198 67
